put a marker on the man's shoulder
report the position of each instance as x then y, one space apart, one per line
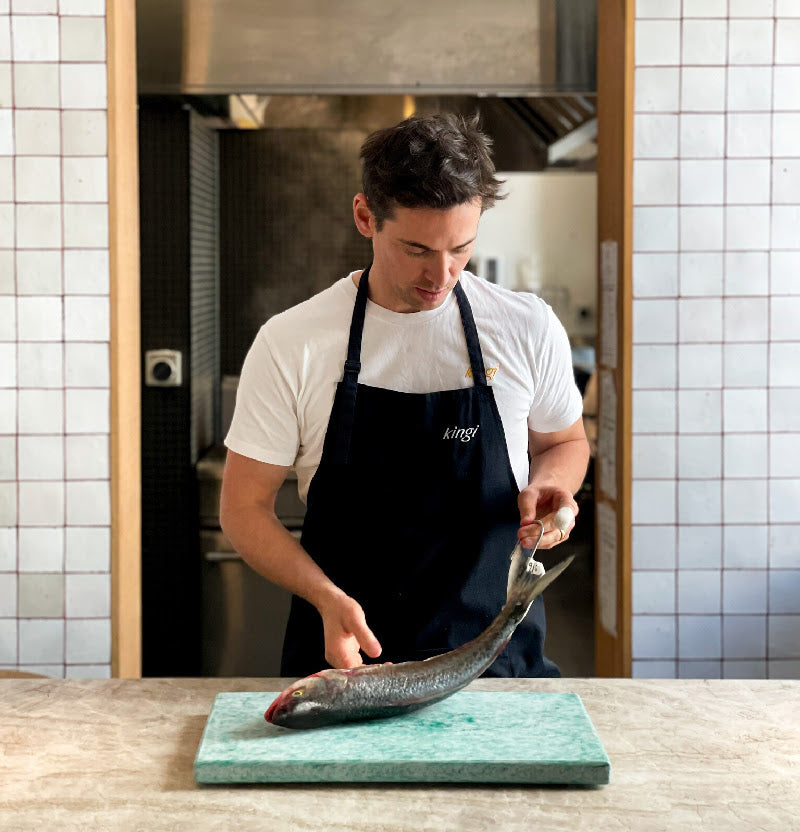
516 308
328 310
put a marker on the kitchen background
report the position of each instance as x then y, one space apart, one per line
716 584
240 224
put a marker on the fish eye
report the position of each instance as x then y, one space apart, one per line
297 693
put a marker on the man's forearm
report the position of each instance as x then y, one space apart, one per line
269 548
563 465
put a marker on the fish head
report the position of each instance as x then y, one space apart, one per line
307 702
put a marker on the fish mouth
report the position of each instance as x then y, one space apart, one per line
270 714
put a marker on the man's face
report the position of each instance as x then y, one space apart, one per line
418 254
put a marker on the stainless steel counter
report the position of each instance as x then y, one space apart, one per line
117 755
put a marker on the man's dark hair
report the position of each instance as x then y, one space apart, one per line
428 161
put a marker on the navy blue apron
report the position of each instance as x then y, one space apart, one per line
413 513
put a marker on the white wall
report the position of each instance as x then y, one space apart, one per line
54 339
716 273
546 230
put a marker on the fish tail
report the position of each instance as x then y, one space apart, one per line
529 584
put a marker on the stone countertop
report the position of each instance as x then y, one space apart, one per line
118 754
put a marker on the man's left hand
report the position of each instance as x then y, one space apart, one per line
542 503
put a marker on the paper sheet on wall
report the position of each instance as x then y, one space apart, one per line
607 567
608 303
607 434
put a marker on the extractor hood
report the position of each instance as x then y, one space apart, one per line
449 47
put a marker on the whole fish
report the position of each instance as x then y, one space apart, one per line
383 690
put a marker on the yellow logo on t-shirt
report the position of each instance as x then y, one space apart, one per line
490 372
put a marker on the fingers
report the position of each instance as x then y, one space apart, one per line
364 636
529 532
528 502
343 654
347 634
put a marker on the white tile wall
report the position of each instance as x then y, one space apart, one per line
750 41
8 411
700 546
745 547
656 136
34 6
54 339
81 7
699 636
657 8
784 591
6 181
41 457
41 641
38 272
717 484
8 550
705 8
699 456
87 549
699 669
41 549
88 641
701 273
784 413
83 39
703 42
702 135
40 319
84 132
36 85
744 636
655 275
786 134
751 8
657 42
37 133
654 593
86 272
654 548
702 89
746 273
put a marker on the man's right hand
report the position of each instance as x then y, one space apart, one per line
346 632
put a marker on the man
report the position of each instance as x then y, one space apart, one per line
407 397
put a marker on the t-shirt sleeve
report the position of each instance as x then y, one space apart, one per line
264 424
556 400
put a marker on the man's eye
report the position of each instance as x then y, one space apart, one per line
416 252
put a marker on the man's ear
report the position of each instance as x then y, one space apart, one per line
364 218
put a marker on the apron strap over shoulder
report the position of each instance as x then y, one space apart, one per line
471 334
352 365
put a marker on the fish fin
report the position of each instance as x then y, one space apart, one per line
529 584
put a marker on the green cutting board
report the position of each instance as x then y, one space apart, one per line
470 737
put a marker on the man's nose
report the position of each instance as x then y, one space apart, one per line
440 269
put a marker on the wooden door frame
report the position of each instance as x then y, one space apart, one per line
125 408
615 220
615 77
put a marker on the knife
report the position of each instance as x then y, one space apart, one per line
523 560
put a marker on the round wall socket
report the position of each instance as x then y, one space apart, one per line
162 368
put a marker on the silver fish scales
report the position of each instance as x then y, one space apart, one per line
383 690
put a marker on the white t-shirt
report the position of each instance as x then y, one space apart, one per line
290 374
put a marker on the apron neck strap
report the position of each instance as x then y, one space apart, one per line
352 365
471 334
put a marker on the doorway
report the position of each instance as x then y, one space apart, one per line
622 16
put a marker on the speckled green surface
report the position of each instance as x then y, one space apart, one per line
470 737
